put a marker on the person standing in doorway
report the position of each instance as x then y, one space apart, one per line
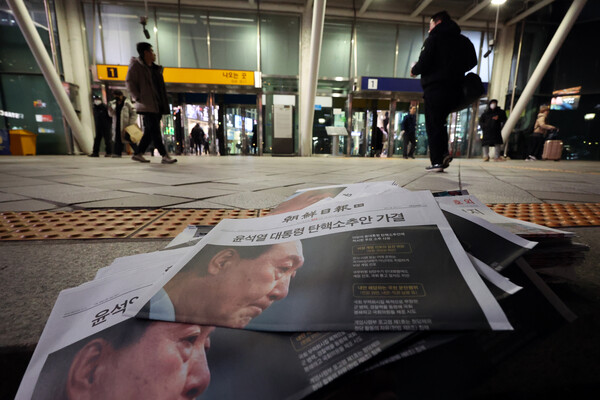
102 125
195 139
445 57
491 121
146 84
409 129
123 114
221 139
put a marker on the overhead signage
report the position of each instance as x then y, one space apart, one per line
370 83
390 84
112 72
184 75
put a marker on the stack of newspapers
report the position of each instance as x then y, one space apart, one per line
356 291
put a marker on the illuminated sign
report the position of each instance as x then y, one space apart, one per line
112 72
565 99
43 118
184 75
10 114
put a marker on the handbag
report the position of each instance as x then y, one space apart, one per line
471 90
135 133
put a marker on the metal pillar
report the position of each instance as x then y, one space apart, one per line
350 139
515 77
535 79
391 128
83 135
259 123
212 128
309 85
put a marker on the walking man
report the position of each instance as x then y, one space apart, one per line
445 57
409 129
146 84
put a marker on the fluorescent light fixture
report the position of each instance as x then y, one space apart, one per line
498 2
589 117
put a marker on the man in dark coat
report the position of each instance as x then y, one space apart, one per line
196 139
445 57
491 121
409 130
102 123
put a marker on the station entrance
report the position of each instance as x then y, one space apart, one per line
232 128
375 124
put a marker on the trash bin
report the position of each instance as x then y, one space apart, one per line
22 142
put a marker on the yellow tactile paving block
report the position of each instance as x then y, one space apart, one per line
81 224
160 223
552 215
174 221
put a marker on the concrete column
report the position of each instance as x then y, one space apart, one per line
259 123
349 125
391 129
310 72
83 134
78 59
557 40
503 51
212 133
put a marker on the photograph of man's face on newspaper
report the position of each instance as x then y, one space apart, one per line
380 270
135 359
228 285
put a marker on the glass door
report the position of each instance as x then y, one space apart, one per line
241 130
358 133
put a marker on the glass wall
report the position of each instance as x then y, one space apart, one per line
26 100
233 39
279 41
194 32
92 20
121 30
410 39
335 49
376 49
167 25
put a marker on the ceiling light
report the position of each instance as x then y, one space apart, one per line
498 2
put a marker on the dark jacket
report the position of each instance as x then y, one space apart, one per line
102 120
409 124
491 122
147 87
445 57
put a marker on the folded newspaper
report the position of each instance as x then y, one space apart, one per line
321 289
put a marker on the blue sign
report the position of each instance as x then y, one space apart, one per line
391 84
394 84
4 142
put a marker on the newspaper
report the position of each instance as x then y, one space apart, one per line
190 235
91 349
380 263
471 205
308 197
491 243
156 258
79 313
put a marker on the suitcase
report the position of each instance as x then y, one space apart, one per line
552 150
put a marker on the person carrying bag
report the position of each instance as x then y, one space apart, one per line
123 115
